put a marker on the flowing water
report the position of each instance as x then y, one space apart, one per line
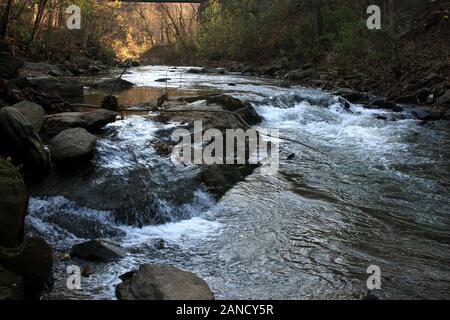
378 196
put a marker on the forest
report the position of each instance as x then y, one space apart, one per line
321 125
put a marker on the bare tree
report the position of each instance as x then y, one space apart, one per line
5 19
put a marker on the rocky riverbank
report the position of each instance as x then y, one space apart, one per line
420 87
43 135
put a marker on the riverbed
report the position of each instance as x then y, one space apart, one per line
377 195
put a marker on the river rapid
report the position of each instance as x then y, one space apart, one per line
379 195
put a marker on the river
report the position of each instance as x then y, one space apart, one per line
379 195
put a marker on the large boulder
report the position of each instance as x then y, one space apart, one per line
19 141
33 260
13 205
66 88
41 69
229 103
11 285
97 250
91 121
162 282
72 145
9 66
34 113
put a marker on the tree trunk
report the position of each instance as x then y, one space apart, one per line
5 20
39 16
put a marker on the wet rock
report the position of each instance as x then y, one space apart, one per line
385 104
161 148
98 250
66 88
163 80
119 84
9 66
83 226
11 286
73 145
95 120
87 271
218 179
91 121
349 94
163 282
13 205
19 141
195 71
229 103
33 112
33 260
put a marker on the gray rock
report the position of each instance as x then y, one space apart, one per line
445 98
229 103
34 113
162 282
66 88
13 205
19 141
91 121
72 145
36 69
11 286
82 226
98 250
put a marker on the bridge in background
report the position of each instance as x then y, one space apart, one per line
166 1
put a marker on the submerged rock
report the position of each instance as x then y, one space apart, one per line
34 113
91 121
218 179
162 282
13 205
118 84
72 145
98 250
19 141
